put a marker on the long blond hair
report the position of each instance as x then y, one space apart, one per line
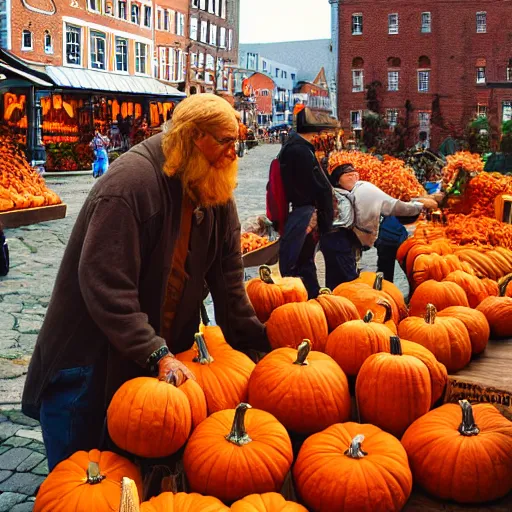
200 112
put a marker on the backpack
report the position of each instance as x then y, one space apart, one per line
4 256
392 232
277 204
344 214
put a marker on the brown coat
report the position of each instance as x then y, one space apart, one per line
107 301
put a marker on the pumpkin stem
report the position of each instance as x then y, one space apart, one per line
389 310
368 318
129 496
238 434
203 356
303 351
430 315
266 274
468 427
325 291
355 450
94 475
395 346
503 284
377 284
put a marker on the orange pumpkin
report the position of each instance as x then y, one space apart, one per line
472 285
231 455
353 467
505 286
86 481
406 246
475 322
388 319
223 373
433 266
290 324
492 287
268 502
498 311
462 452
306 391
446 337
267 292
393 390
337 310
440 294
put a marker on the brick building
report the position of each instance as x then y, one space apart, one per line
439 63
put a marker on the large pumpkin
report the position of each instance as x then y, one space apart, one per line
491 286
393 389
472 285
290 324
337 310
268 502
498 311
306 391
231 455
86 481
433 266
446 337
223 373
150 418
268 292
462 452
475 322
441 294
353 468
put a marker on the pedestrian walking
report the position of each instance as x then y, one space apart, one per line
392 234
242 138
4 253
99 145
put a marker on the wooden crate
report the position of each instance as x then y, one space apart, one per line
267 255
17 218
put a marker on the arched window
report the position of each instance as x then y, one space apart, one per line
394 62
357 62
48 43
509 70
423 62
26 40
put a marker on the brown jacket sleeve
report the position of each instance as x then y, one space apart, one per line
108 274
233 310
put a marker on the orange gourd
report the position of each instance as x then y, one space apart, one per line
440 294
337 310
472 285
498 311
268 502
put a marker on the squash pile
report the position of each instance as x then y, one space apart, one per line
252 241
20 185
460 161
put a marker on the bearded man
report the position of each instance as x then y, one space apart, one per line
127 297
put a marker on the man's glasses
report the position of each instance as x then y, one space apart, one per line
225 141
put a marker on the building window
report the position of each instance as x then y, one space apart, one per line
98 50
481 22
293 75
285 74
218 8
356 119
424 81
210 62
203 36
193 29
424 121
93 5
222 37
121 54
357 24
193 60
158 19
26 40
480 75
109 10
481 110
211 6
180 24
147 16
73 45
507 111
48 43
141 55
136 14
230 39
393 23
393 78
166 21
121 9
213 34
426 22
392 117
357 80
277 72
195 4
202 5
223 10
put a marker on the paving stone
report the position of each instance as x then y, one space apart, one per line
3 418
8 500
37 447
10 370
4 474
6 319
42 468
31 434
16 298
33 460
4 448
24 483
16 442
28 506
29 324
15 307
8 429
13 458
18 417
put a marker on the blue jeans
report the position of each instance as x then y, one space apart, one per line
70 417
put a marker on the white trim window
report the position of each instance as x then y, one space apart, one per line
392 117
166 25
193 29
481 110
121 54
162 69
393 80
93 5
158 19
73 45
181 66
141 58
356 119
201 61
357 24
230 39
357 80
109 8
424 121
135 13
393 23
424 80
203 36
509 71
213 34
27 43
218 8
47 42
171 65
426 22
193 60
210 62
481 22
5 24
202 5
180 24
122 9
222 37
195 4
223 10
98 50
506 114
211 6
480 75
147 16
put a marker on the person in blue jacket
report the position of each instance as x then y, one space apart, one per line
99 144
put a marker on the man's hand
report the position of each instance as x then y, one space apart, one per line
428 202
173 371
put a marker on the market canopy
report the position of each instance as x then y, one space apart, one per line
22 74
88 79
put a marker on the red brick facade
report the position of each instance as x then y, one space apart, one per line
434 41
263 88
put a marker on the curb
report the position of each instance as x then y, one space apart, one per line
66 173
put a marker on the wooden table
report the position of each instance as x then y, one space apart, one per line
26 216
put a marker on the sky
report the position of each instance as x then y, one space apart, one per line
271 21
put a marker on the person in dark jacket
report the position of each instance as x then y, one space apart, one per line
392 234
127 297
4 253
310 194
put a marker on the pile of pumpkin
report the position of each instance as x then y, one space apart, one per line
252 241
460 161
238 457
20 185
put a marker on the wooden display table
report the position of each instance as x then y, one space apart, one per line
17 218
